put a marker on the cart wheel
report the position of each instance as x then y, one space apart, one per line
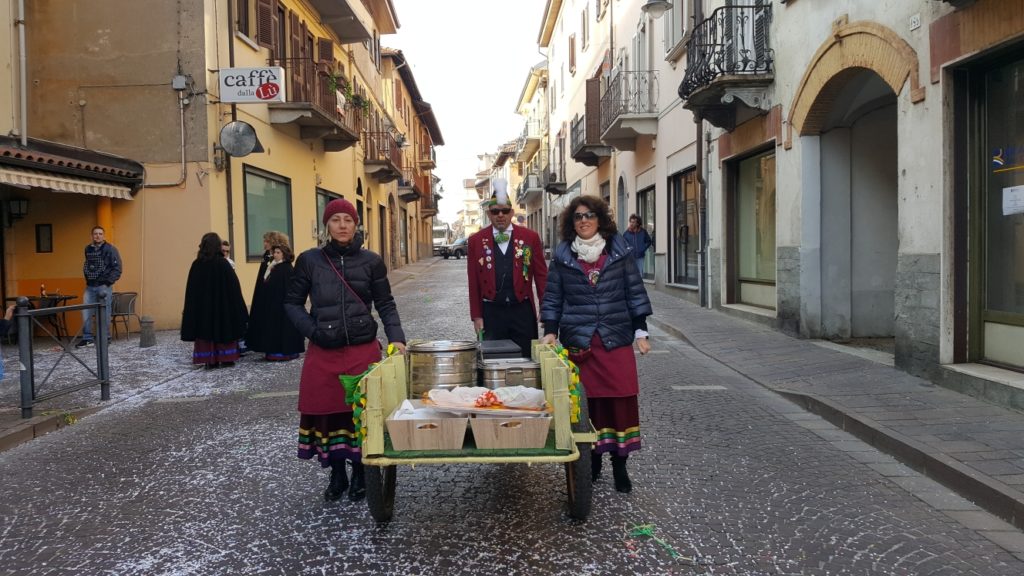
579 484
380 491
577 474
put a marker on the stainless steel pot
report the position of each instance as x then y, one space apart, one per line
441 364
507 372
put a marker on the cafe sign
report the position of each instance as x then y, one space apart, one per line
252 85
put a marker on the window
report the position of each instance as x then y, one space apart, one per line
572 53
682 189
268 206
600 7
585 27
44 238
243 19
322 198
675 28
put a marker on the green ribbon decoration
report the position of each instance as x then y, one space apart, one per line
648 531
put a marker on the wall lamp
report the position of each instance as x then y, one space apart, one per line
656 8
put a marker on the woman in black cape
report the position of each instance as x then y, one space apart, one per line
274 334
214 316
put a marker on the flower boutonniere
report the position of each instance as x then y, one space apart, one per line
524 254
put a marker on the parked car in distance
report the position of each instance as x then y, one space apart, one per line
455 250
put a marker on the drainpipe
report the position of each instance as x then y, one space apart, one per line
702 169
234 117
22 73
181 121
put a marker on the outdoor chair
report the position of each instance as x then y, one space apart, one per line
56 318
122 309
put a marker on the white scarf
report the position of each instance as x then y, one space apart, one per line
589 250
270 267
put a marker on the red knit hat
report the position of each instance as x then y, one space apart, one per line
339 206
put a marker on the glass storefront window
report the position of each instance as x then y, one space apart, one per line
267 207
756 218
322 198
1004 201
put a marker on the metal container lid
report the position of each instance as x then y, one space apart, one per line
500 363
442 346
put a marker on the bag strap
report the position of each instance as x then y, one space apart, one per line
343 281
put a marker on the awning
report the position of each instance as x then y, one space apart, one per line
61 183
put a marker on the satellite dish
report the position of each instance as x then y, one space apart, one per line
239 139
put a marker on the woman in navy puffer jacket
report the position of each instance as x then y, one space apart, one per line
596 304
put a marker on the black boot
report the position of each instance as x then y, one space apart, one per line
338 483
357 488
595 466
622 482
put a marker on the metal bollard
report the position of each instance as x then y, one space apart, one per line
147 337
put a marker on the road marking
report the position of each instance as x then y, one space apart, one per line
274 394
690 388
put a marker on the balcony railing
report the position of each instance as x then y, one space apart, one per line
383 156
629 92
553 178
529 140
316 103
427 157
734 41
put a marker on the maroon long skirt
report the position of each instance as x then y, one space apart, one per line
610 379
328 437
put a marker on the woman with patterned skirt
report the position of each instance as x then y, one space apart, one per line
214 314
342 281
596 304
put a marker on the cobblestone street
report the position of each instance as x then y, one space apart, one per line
195 474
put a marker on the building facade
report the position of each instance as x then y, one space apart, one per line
864 176
352 124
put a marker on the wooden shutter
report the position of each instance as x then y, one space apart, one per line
295 58
265 12
276 42
593 111
325 50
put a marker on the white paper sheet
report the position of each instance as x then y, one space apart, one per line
1013 200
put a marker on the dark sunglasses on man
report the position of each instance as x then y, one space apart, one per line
581 216
496 211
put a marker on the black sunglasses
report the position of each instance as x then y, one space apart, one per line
581 216
496 211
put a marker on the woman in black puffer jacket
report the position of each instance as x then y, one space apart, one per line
597 306
342 282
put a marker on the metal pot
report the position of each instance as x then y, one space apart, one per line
441 364
507 372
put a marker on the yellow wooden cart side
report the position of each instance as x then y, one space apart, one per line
385 387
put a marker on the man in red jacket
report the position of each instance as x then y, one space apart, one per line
504 263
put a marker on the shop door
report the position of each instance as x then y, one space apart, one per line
1002 218
685 227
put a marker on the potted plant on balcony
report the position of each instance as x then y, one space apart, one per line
360 102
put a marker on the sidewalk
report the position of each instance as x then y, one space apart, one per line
973 447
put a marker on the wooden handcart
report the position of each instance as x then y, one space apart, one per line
569 443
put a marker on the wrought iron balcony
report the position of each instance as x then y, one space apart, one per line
629 108
529 141
530 188
408 187
317 105
553 179
383 156
585 146
427 158
729 65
